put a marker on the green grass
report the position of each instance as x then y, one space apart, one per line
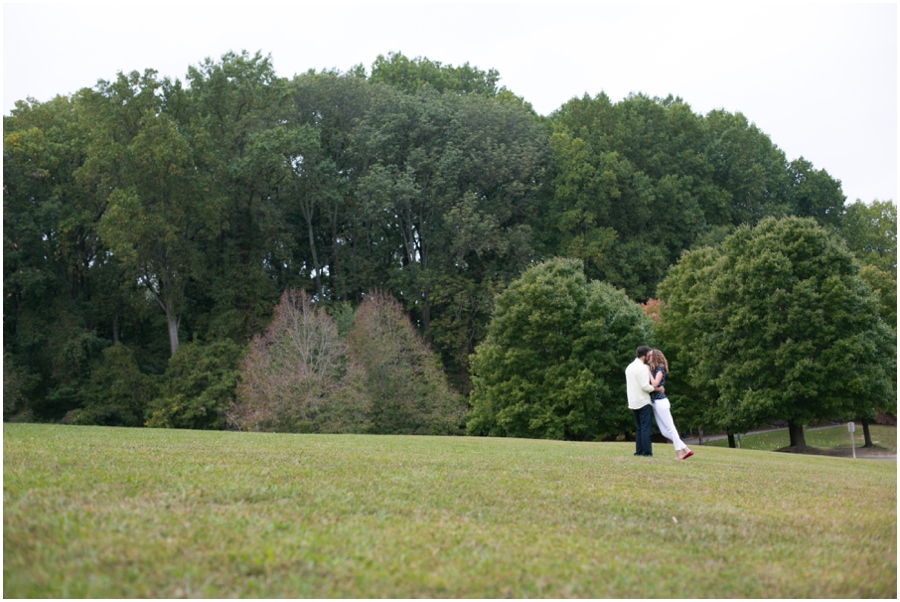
104 512
884 437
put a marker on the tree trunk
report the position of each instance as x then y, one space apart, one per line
115 320
426 319
731 442
798 438
172 321
315 258
866 434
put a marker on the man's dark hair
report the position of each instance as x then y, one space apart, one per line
641 351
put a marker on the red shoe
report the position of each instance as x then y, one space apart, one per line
687 455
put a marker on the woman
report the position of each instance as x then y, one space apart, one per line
659 367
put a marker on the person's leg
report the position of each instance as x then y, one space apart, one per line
663 414
638 440
646 429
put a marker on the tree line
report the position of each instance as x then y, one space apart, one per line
151 226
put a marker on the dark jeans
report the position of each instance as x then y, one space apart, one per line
643 418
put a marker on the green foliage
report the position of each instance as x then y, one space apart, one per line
870 230
815 194
776 324
884 287
407 390
453 193
51 256
118 392
637 182
552 363
198 387
144 206
161 205
413 75
242 111
12 387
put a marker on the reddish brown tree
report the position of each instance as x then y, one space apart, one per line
297 376
407 389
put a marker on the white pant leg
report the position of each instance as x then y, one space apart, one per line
663 415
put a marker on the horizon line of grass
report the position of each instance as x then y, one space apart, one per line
115 512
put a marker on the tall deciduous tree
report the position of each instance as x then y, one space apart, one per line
452 192
243 108
637 182
413 75
53 319
778 325
160 206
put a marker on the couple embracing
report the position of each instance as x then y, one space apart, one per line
645 378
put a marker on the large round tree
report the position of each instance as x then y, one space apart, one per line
777 324
552 364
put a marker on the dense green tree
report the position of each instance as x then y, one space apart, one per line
870 230
552 363
13 403
118 392
243 108
51 323
777 324
814 193
637 182
749 168
335 238
884 287
159 209
452 194
633 187
197 388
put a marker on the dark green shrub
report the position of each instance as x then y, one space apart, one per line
198 387
118 392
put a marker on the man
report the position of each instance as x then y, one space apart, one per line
638 386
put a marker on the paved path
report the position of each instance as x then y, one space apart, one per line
696 441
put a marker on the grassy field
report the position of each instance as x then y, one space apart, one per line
104 512
883 437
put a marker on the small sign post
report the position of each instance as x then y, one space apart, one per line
852 427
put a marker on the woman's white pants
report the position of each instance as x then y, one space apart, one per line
663 414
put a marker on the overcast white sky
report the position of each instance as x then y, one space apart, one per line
820 80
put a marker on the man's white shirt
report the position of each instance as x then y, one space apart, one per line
637 380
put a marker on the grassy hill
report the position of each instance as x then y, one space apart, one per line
104 512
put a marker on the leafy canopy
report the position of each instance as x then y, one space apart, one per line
552 363
777 324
